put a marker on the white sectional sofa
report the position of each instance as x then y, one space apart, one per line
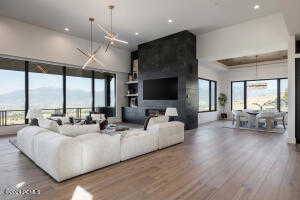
64 157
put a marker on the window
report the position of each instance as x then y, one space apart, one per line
213 96
264 97
99 92
237 96
284 95
78 93
259 95
12 92
113 92
207 95
54 89
46 89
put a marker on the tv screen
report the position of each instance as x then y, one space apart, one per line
161 89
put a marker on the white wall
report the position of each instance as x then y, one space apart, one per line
253 37
270 71
206 72
29 41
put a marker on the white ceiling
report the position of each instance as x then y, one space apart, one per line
147 17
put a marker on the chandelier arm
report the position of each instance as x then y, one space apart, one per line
84 53
87 62
107 47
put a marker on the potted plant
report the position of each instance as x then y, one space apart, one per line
222 102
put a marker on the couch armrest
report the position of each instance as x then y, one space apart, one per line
60 156
169 133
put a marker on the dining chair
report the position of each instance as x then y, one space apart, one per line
266 118
243 119
280 118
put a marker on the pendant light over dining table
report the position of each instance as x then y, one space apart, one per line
257 84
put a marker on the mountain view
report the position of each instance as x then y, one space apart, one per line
48 97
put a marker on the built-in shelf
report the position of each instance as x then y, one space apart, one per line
297 55
132 95
131 82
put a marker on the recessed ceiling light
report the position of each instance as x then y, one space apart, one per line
67 29
256 7
136 33
170 21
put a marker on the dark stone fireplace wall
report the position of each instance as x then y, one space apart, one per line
172 56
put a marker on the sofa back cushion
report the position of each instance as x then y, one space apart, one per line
157 120
48 124
76 130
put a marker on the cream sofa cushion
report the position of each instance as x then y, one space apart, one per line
157 120
76 130
48 124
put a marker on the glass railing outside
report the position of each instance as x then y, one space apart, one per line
17 117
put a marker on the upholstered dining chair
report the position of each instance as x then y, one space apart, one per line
243 119
280 118
240 119
266 118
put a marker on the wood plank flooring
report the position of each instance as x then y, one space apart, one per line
213 163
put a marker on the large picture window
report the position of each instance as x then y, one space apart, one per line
100 92
237 95
113 92
45 88
78 93
12 92
54 89
284 95
259 95
207 95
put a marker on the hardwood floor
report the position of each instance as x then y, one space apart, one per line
212 163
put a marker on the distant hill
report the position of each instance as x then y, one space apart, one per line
48 98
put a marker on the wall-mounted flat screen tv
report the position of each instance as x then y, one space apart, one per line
160 89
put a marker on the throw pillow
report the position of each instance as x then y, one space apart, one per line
103 124
34 122
48 124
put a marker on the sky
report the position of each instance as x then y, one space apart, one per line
14 80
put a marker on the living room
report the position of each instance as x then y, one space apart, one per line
149 100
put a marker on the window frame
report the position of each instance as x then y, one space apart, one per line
245 91
210 94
